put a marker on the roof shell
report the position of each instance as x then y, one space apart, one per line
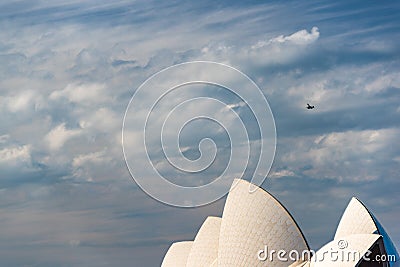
204 250
336 254
357 219
251 221
177 254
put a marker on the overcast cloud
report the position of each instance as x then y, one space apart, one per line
68 70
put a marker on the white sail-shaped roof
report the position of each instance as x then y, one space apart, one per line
204 250
177 254
345 252
355 220
252 220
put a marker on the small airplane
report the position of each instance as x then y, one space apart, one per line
309 107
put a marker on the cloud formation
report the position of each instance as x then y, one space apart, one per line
302 37
57 137
68 70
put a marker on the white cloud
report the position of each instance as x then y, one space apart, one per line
281 49
368 141
91 166
21 101
397 159
95 157
84 94
302 37
12 155
383 82
353 155
57 137
102 119
235 105
339 89
281 173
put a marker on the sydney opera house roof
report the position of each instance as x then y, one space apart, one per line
254 224
177 254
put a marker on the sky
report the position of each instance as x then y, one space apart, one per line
68 70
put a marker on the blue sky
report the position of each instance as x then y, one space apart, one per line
68 70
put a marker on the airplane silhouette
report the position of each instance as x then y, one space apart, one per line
309 107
